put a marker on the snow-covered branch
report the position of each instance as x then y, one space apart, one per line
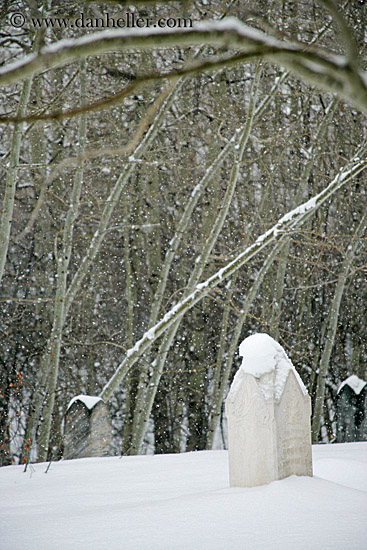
283 227
324 69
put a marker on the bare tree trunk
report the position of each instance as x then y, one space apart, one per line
11 180
129 329
313 152
52 356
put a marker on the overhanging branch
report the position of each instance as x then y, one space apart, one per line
324 69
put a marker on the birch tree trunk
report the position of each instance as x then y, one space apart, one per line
11 179
51 359
129 326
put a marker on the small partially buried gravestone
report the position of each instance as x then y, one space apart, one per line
351 410
268 410
87 428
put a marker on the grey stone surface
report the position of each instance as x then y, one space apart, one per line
251 441
351 410
293 430
87 428
269 432
362 428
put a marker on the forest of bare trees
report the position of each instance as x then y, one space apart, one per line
165 192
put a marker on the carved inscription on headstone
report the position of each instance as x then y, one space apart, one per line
268 411
292 414
241 411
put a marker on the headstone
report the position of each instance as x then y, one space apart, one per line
87 428
362 428
269 411
351 410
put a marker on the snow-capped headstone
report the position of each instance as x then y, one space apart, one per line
268 410
351 410
87 428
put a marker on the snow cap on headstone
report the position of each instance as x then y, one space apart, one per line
356 384
266 360
89 401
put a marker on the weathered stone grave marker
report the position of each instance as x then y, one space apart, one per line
87 428
351 410
268 410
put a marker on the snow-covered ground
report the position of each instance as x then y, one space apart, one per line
184 501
